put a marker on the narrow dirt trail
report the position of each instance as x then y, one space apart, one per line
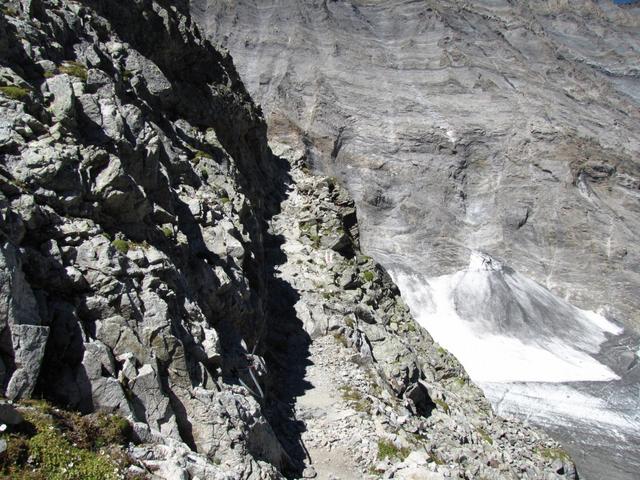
328 419
318 377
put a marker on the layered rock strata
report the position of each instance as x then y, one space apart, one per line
507 128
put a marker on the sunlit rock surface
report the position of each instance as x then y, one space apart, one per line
491 126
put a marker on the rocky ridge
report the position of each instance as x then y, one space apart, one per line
155 265
400 388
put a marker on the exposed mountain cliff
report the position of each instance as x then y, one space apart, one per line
158 261
492 151
498 126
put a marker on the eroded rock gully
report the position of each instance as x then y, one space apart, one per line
158 260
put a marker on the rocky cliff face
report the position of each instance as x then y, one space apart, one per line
491 148
133 213
159 261
493 126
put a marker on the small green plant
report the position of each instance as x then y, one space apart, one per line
443 405
387 449
554 454
19 184
127 75
315 240
75 69
168 232
110 429
10 11
350 394
199 155
328 295
375 472
121 245
368 276
485 436
338 337
204 174
224 200
14 93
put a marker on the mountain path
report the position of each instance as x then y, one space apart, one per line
331 424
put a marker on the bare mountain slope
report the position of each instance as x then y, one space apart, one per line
506 128
500 130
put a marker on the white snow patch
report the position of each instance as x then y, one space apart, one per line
547 402
601 322
504 327
451 135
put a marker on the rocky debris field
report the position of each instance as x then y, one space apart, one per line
158 261
378 398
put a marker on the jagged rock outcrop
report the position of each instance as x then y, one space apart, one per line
401 387
133 167
147 268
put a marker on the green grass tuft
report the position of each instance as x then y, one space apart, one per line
368 276
199 155
55 444
554 454
387 449
15 93
443 405
75 69
127 75
58 459
10 11
338 337
120 245
350 394
485 436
